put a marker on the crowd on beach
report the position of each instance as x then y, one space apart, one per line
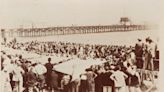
127 68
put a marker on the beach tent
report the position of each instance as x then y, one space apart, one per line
25 54
76 66
44 59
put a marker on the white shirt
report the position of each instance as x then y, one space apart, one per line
119 78
132 54
17 76
5 82
83 77
152 47
7 61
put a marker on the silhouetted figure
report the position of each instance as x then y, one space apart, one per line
49 67
139 54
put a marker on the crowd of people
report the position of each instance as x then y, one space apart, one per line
125 70
71 49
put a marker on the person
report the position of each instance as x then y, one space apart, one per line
151 51
65 83
83 83
129 59
5 80
92 54
119 80
106 80
25 66
75 81
139 53
40 71
146 54
135 80
49 68
31 80
133 57
148 58
81 52
18 76
90 80
99 79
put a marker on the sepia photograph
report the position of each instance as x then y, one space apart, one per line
80 45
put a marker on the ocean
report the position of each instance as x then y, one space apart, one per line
110 38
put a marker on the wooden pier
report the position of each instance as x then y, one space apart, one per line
124 26
32 32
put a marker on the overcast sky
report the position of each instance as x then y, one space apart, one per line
43 13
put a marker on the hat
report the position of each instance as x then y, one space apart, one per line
88 69
147 39
150 40
139 39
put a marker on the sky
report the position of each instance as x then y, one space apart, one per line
45 13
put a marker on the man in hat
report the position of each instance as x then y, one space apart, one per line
146 54
149 55
151 51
